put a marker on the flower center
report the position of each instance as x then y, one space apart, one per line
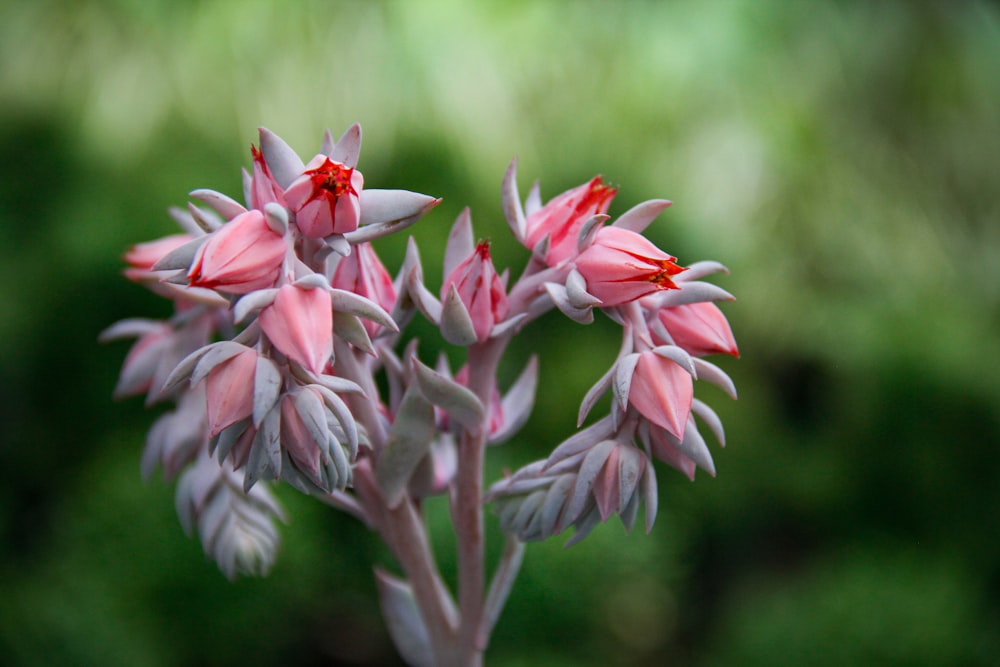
333 177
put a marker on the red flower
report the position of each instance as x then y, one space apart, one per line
326 198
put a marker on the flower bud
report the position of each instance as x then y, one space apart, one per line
662 392
480 290
243 255
299 322
699 328
229 389
362 273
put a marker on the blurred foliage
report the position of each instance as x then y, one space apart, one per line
840 158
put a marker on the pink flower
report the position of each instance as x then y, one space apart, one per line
363 273
700 328
264 189
229 388
621 266
480 290
564 215
299 322
662 392
326 198
243 255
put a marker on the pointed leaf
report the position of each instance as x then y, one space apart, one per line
388 211
637 218
266 389
711 373
624 371
461 242
253 302
348 148
284 163
215 355
456 323
353 331
591 466
359 306
711 419
181 256
225 206
403 620
409 441
511 202
459 402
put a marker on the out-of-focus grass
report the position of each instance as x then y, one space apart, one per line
839 158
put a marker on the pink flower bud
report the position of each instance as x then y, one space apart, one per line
229 389
564 215
363 273
480 290
326 198
264 189
662 392
243 255
621 266
297 439
700 328
299 322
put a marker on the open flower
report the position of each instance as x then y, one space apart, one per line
564 215
621 266
299 322
480 290
243 255
662 391
326 198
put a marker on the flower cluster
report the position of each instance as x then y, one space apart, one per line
669 322
286 361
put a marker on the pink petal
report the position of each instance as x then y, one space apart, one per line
662 392
229 390
700 328
300 323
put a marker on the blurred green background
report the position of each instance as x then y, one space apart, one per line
841 158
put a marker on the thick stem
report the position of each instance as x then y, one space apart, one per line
467 505
403 531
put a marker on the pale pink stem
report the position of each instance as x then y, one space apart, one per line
467 506
403 531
